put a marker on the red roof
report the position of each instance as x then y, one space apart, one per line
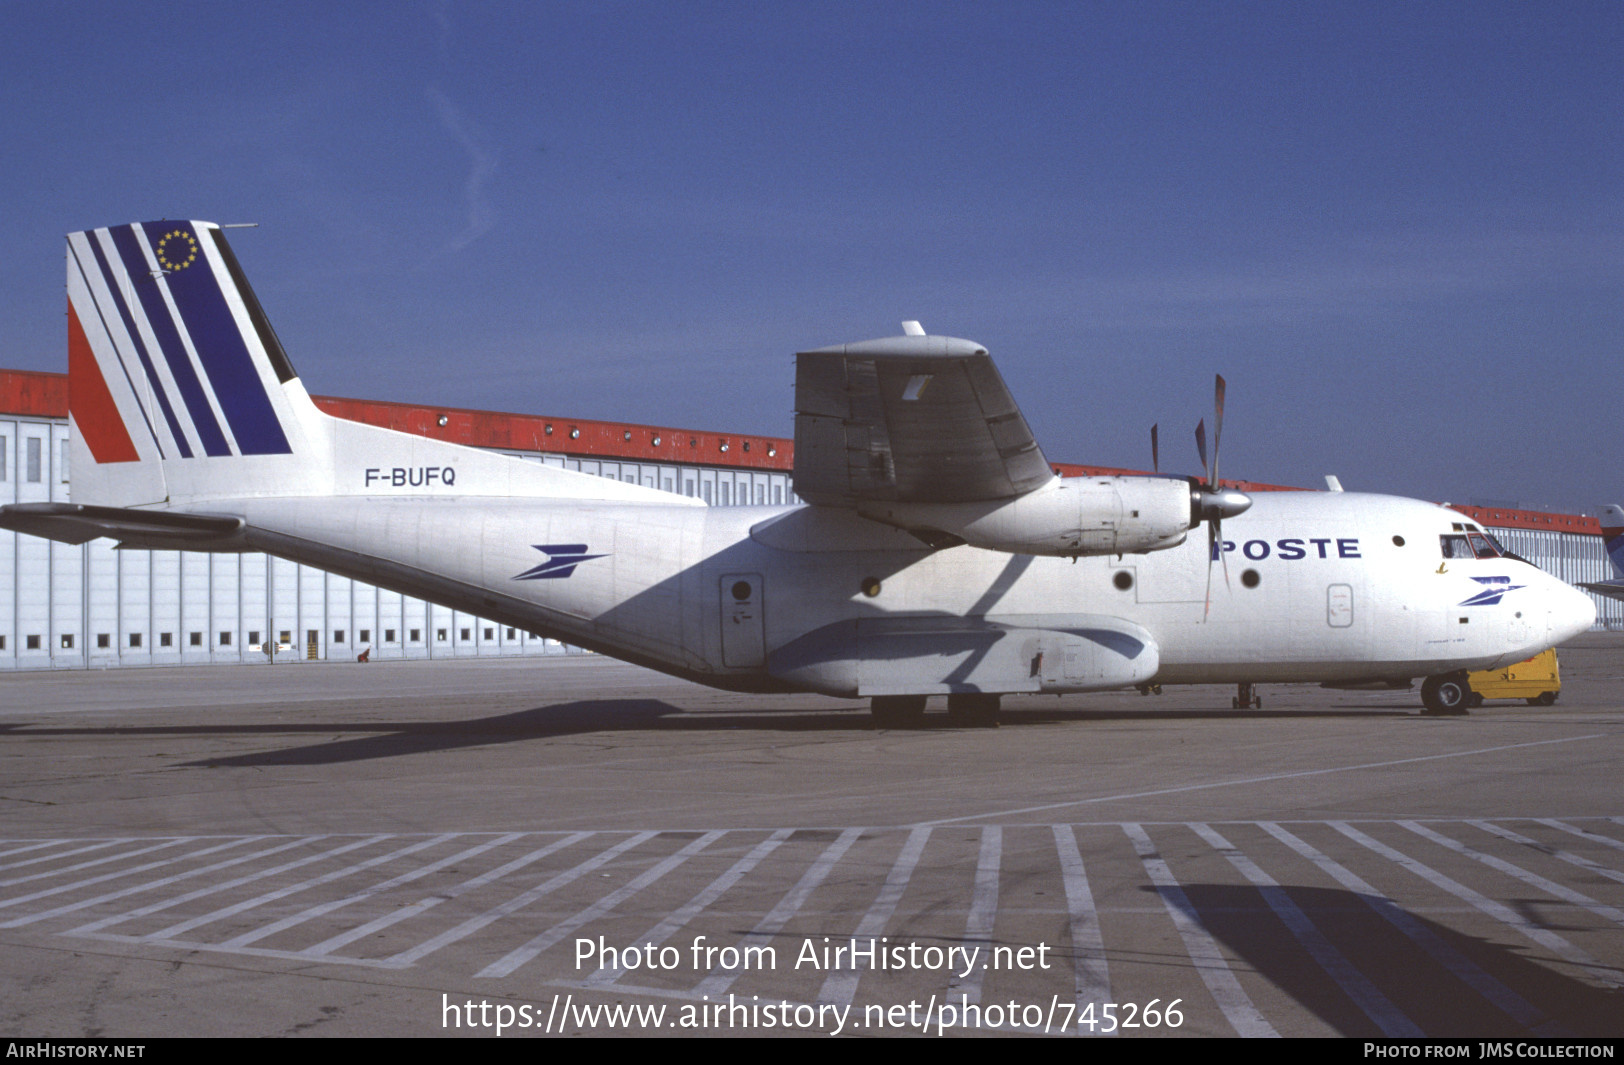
34 393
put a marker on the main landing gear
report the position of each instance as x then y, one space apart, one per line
964 709
1447 693
1246 697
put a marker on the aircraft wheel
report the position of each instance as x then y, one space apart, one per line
1543 699
897 711
1446 694
973 709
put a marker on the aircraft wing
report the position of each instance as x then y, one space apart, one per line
1611 589
74 523
914 419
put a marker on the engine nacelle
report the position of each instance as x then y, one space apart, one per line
1067 517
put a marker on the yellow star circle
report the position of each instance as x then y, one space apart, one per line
181 255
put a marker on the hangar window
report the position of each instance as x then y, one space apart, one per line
5 440
197 639
135 639
388 635
166 639
417 635
63 465
490 633
366 636
225 639
253 636
439 635
104 639
466 635
2 643
67 641
33 643
338 635
286 637
511 634
33 460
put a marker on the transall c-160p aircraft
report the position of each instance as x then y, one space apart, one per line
937 551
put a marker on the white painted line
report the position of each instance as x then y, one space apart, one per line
1204 954
1366 995
979 922
15 922
840 986
125 856
519 956
1584 833
1560 855
53 857
1243 781
518 902
322 909
1093 974
164 904
721 979
209 918
321 950
694 906
1500 912
1502 997
1550 887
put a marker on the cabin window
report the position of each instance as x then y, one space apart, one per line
1482 546
1455 546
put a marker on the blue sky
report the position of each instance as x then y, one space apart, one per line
1396 228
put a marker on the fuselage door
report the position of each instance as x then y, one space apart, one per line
1339 606
743 643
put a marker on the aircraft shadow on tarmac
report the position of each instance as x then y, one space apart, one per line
1441 981
392 739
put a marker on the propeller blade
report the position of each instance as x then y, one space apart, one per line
1217 428
1201 443
1155 456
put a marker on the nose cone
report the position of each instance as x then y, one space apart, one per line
1572 612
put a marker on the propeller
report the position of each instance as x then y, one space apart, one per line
1209 500
1155 453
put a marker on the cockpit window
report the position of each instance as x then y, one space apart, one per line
1483 546
1455 546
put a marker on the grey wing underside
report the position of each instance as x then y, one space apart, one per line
909 419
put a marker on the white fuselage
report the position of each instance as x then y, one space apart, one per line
1330 587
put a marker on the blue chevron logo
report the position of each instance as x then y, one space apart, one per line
561 562
1495 588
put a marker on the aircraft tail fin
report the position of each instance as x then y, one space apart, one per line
1612 531
181 393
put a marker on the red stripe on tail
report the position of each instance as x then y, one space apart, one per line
91 404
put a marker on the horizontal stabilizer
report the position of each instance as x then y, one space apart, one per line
75 523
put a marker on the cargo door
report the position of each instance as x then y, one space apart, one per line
743 642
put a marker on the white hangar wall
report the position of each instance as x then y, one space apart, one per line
90 606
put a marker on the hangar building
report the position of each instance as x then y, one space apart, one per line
91 607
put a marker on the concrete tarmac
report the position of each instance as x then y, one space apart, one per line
437 849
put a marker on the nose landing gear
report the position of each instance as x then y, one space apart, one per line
1246 697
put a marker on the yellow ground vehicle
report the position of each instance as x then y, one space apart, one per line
1536 679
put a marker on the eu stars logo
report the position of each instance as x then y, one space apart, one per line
176 250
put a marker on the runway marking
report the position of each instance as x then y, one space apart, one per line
679 919
164 904
53 857
92 864
979 922
1550 887
1269 778
1500 912
519 901
1583 833
841 984
327 946
1506 1000
402 918
65 888
1204 954
1561 855
563 928
322 909
1090 973
721 979
1377 1006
